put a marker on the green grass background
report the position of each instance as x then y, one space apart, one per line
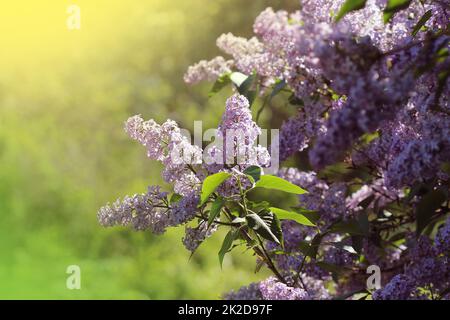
63 151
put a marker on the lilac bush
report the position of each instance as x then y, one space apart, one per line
369 84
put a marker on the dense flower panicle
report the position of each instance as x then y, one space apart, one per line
368 104
249 55
149 211
195 236
142 211
421 158
185 209
368 92
305 47
167 144
208 70
316 287
399 288
272 289
149 134
426 267
238 135
442 240
250 292
237 116
429 271
293 137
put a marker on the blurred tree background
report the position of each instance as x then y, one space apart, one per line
64 95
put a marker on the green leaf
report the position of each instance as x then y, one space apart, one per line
289 215
339 172
363 222
446 167
277 88
329 267
427 207
210 185
351 227
345 296
366 202
295 101
350 5
226 245
311 249
357 243
220 83
259 264
216 207
398 236
394 6
245 85
277 183
258 206
267 225
238 220
426 16
175 198
312 215
238 78
254 172
305 248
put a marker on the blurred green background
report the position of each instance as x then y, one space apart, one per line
64 95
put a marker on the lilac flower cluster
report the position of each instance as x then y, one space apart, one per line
374 95
442 240
142 211
399 288
250 292
208 70
272 289
185 170
427 273
195 236
313 55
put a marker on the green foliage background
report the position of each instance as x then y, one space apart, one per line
63 152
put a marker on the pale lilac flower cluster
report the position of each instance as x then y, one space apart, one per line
208 70
399 288
369 93
167 144
250 292
141 211
353 78
272 289
312 54
236 146
426 275
420 158
316 286
292 136
442 240
185 170
195 236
